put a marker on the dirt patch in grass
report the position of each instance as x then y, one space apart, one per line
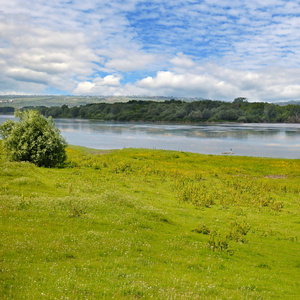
276 176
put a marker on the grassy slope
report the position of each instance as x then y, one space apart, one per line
144 223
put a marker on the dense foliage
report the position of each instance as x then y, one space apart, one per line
34 138
7 110
240 110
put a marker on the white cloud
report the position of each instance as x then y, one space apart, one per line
216 49
44 57
109 80
182 61
104 86
84 88
170 83
125 60
56 44
209 81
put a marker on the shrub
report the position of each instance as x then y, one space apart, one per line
34 138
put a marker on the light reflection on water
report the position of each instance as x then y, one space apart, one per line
269 140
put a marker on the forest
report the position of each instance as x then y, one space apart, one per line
240 110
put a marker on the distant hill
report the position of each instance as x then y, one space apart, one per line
283 103
71 101
19 101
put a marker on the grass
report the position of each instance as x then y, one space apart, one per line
136 223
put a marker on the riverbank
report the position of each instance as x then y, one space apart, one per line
149 223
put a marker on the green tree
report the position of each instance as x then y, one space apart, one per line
270 112
33 138
227 115
240 100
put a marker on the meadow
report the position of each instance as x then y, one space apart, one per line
137 223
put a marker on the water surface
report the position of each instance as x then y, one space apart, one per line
262 140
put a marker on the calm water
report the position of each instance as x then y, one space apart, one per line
268 140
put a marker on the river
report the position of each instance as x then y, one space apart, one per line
260 140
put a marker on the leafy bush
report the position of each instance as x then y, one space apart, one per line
34 138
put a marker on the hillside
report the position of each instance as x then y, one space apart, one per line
56 100
138 223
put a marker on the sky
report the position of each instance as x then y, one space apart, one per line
182 48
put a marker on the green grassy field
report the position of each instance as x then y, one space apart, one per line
136 223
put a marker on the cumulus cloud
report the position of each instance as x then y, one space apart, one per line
195 85
209 80
104 86
219 82
182 61
213 49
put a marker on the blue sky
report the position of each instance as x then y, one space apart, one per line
210 49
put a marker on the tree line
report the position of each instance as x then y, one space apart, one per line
240 110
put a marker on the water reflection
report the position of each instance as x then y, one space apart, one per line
201 131
270 140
